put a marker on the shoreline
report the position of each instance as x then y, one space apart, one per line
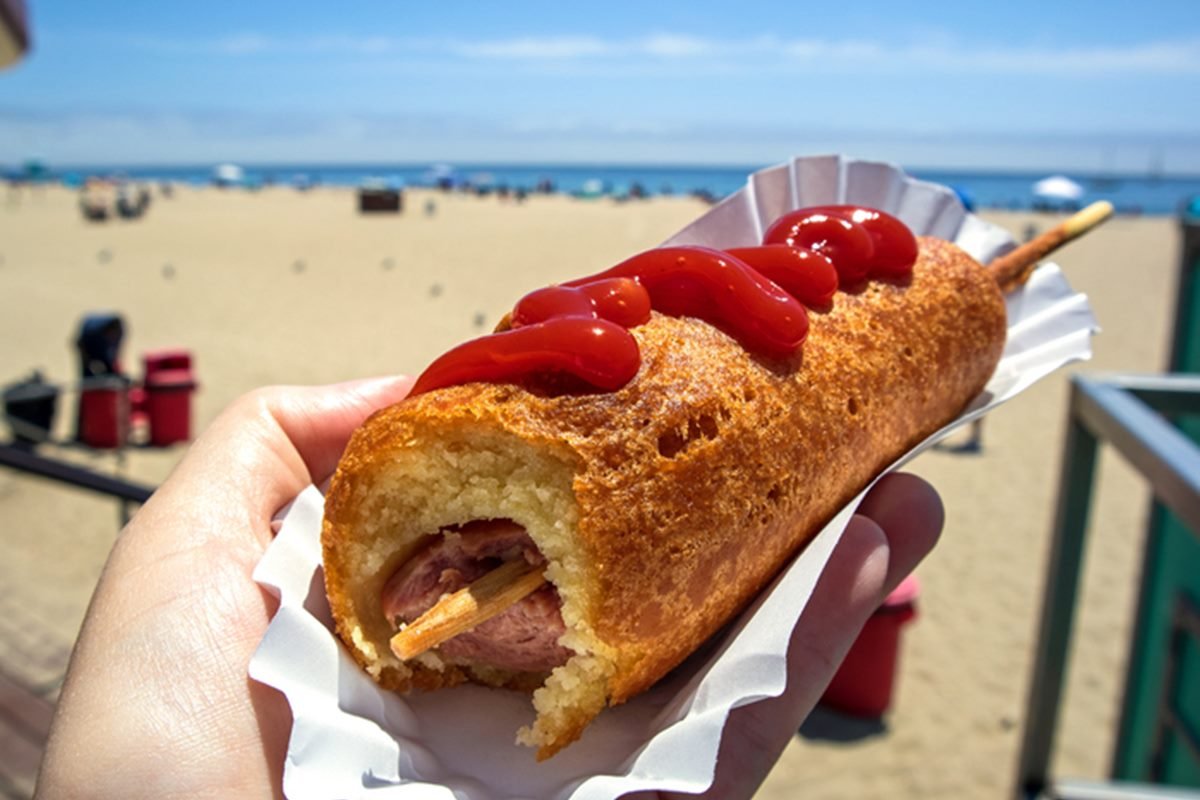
1136 194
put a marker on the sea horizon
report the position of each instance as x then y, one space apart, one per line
1130 192
616 164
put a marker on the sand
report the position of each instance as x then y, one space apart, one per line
286 287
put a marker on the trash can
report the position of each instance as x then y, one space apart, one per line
864 683
104 411
154 362
29 408
169 406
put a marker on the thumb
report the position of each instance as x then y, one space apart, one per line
269 444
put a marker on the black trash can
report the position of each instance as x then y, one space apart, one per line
29 408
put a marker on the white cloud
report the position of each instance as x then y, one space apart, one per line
1162 58
937 54
678 46
849 50
548 47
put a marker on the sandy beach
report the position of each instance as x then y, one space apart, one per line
280 286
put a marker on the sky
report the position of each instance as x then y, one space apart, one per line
1023 84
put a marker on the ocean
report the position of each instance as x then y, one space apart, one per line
1006 190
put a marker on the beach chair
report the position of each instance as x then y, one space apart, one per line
93 210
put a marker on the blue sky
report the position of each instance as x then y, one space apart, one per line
1109 85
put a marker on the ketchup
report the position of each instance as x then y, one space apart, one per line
598 352
718 288
805 274
862 242
619 299
758 295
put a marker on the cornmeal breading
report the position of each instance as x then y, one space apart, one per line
666 506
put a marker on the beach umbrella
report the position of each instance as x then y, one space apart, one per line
1058 187
964 197
441 175
35 170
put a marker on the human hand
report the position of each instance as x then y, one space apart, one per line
157 702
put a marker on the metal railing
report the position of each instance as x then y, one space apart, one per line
1128 412
25 458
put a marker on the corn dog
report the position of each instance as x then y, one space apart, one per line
640 510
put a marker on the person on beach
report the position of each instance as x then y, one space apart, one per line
974 442
157 701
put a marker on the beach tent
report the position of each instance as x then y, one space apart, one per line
437 171
1057 187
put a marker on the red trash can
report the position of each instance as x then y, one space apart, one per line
104 411
863 684
169 406
154 362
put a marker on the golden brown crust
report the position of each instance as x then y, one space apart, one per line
700 479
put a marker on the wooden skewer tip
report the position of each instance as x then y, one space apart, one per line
1013 268
467 608
1088 218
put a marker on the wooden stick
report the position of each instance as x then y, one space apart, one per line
1014 268
468 607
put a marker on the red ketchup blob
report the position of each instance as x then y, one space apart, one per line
600 353
619 300
806 275
895 245
847 245
577 330
862 242
718 288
